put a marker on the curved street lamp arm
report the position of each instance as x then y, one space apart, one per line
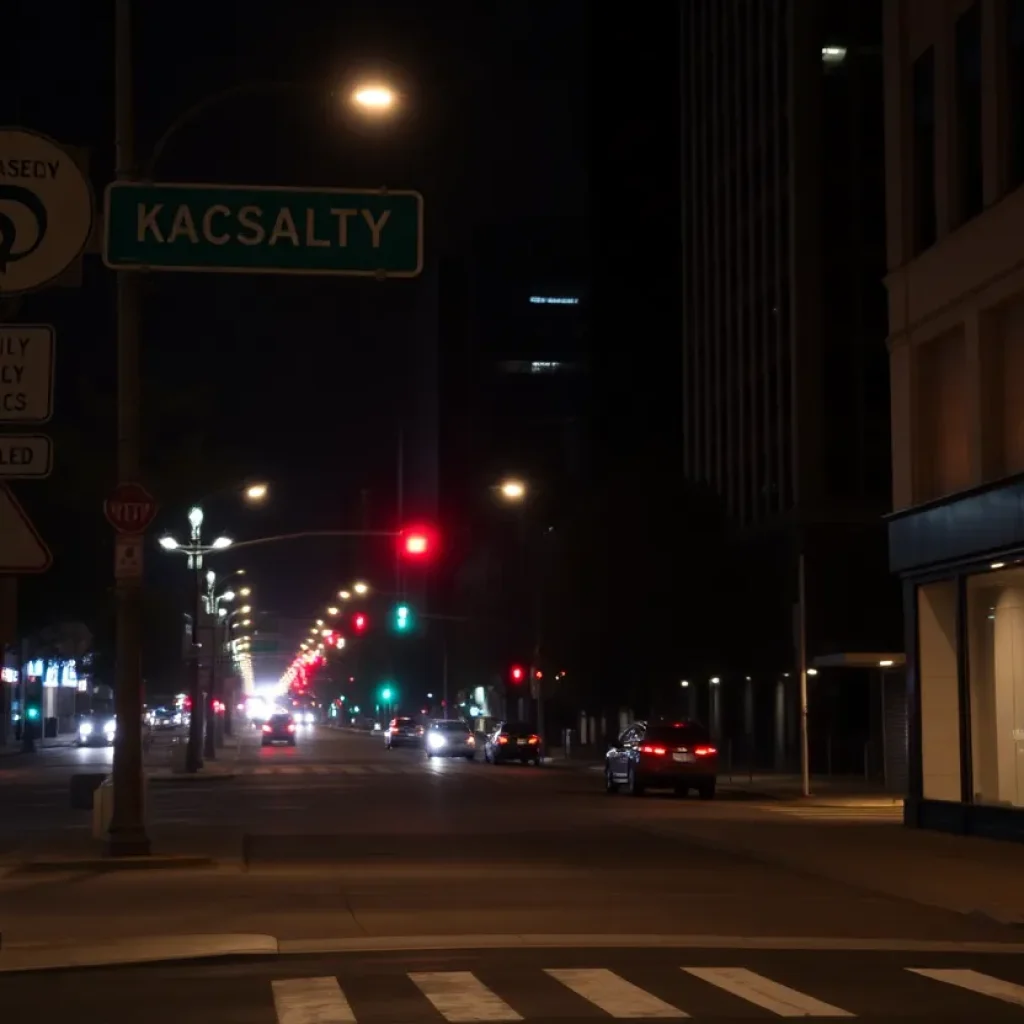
200 107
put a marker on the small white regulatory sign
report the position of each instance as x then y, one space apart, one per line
128 557
26 373
25 456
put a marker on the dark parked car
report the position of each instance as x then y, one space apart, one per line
403 732
513 741
279 729
663 755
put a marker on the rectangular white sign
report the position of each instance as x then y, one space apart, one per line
25 456
26 373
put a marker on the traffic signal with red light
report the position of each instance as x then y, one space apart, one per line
359 622
417 543
516 673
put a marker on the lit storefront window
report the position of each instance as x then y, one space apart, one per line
995 628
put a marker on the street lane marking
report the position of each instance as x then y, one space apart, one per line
761 991
974 981
460 997
616 996
311 1001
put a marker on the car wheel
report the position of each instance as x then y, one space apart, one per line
634 786
706 791
610 785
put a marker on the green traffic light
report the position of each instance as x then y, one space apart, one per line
403 618
32 713
386 693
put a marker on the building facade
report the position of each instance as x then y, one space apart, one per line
785 375
955 197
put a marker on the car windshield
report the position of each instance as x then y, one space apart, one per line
682 732
452 726
517 728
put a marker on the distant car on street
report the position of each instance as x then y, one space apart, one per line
166 718
513 741
279 728
663 755
403 732
450 738
97 731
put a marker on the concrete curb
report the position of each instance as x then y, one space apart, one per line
143 950
157 949
108 865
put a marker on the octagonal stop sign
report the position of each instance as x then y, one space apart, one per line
130 508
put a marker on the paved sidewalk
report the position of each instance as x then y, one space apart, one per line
845 789
967 875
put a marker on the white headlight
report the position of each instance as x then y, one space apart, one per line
435 740
85 729
110 728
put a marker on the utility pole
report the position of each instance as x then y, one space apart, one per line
127 836
210 634
805 759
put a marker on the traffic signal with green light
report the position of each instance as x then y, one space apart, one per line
402 618
32 713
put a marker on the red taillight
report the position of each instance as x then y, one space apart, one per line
394 730
534 739
291 728
647 749
502 739
267 728
705 751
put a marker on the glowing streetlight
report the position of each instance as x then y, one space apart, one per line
344 595
320 622
513 490
168 543
245 609
245 591
375 98
195 517
221 542
256 492
332 610
360 588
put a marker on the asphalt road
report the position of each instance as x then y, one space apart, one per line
340 838
511 985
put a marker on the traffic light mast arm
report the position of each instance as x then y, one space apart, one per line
299 536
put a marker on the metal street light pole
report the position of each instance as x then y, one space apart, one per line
194 756
127 836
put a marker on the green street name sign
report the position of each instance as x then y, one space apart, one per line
246 229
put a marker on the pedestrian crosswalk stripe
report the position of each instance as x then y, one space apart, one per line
974 981
761 991
616 996
460 997
311 1001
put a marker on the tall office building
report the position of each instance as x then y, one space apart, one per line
784 313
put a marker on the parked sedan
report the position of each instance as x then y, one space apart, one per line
403 732
450 738
513 741
659 755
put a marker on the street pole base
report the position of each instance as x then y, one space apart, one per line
130 842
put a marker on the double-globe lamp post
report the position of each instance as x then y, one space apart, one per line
195 551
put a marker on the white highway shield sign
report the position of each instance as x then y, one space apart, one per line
46 209
26 373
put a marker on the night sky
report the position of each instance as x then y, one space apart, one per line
298 381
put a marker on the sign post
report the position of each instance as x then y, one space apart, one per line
46 211
245 229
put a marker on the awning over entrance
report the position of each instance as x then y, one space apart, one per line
861 659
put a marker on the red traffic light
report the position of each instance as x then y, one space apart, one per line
417 542
359 622
516 673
